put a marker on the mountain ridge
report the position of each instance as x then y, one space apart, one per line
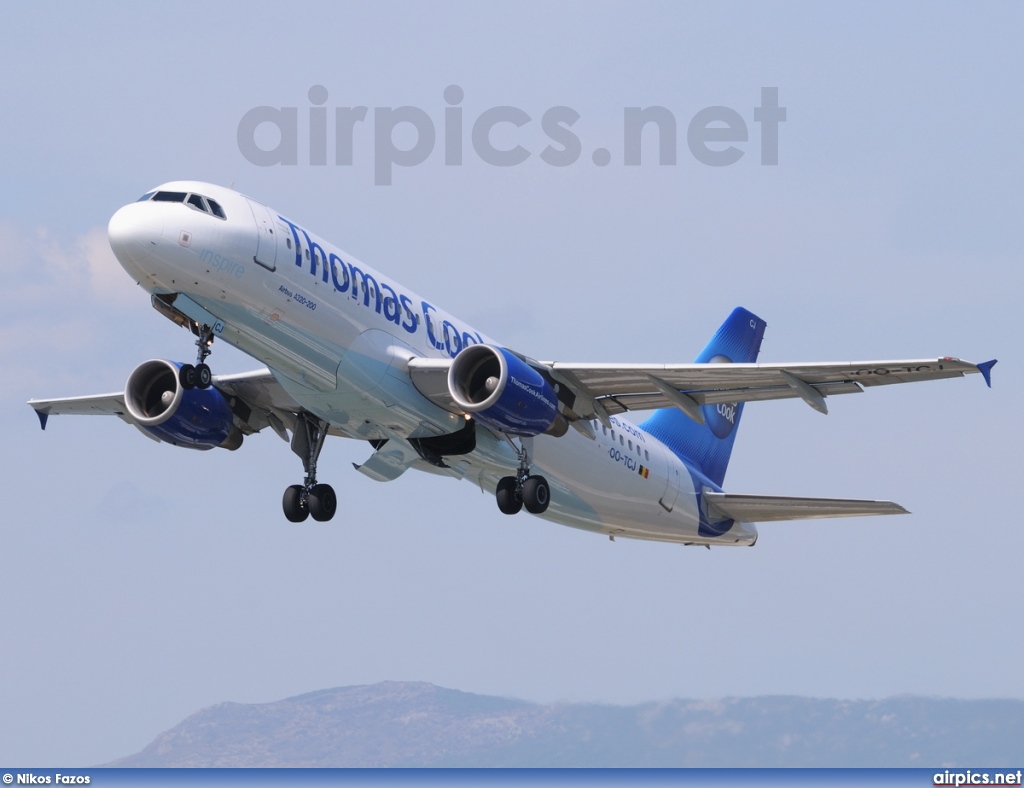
410 724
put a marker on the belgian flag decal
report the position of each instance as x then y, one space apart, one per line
644 471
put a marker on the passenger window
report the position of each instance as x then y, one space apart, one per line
289 242
621 441
307 254
631 445
217 210
646 455
604 429
196 202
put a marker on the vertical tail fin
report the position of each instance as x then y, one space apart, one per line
708 446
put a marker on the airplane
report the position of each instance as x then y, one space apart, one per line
349 352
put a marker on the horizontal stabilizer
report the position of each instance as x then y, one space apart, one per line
768 508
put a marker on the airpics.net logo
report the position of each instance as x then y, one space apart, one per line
715 136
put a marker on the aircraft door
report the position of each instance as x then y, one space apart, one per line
266 241
668 498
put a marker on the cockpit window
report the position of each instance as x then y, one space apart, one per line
196 201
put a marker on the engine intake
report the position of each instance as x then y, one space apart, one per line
195 419
503 392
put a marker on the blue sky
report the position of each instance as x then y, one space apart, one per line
141 582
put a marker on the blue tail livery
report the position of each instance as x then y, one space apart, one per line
707 446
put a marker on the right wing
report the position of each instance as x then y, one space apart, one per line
266 403
89 405
270 404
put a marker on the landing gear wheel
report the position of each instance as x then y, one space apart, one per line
204 377
187 377
508 501
309 498
323 503
536 494
295 508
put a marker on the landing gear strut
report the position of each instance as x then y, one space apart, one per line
309 498
198 376
515 492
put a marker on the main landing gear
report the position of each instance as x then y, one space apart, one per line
198 376
309 498
515 492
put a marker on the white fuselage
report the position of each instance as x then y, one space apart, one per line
337 335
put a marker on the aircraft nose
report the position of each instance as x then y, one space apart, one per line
129 230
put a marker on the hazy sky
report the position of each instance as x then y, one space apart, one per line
141 582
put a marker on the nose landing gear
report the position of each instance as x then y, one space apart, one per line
515 492
198 376
309 498
299 500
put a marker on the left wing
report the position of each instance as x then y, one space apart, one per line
688 386
600 390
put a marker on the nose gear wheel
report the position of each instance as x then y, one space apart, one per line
198 376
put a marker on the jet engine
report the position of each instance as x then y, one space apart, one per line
503 392
195 419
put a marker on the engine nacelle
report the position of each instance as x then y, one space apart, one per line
195 419
502 391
